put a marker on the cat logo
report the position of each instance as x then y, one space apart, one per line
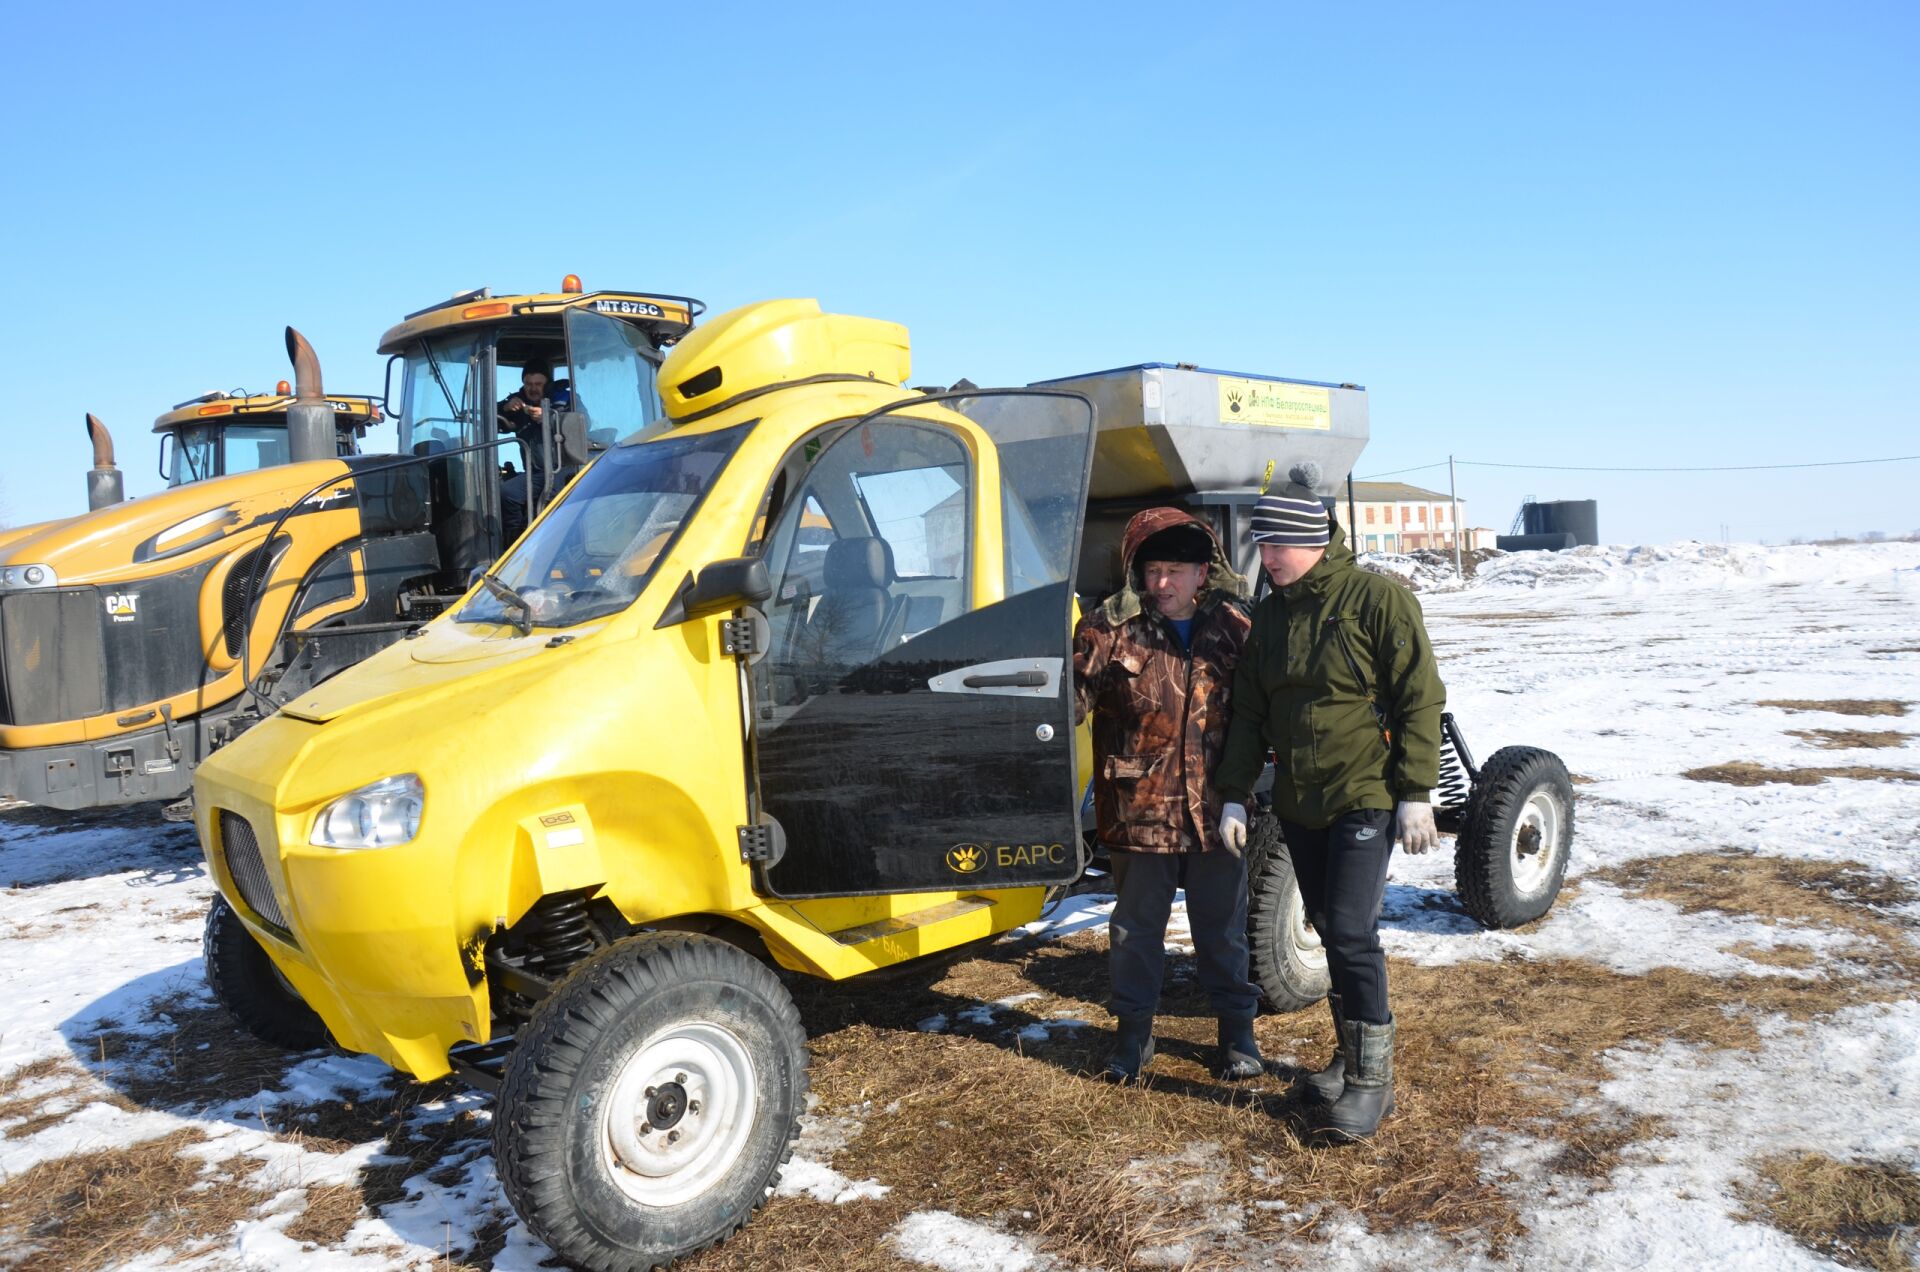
123 607
965 858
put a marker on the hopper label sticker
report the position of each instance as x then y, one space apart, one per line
1275 405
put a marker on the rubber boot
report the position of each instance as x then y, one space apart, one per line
1239 1050
1325 1086
1368 1093
1132 1050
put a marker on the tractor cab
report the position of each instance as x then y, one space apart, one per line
220 433
511 396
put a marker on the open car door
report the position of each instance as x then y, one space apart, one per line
911 719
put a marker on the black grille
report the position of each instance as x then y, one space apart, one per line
233 597
51 664
248 870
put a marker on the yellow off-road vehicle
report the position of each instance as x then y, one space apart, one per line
140 637
780 682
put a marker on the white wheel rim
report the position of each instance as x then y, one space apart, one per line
1306 941
1536 841
679 1114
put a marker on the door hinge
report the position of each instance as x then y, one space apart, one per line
740 637
763 844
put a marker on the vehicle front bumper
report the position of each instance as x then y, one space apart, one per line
368 938
131 768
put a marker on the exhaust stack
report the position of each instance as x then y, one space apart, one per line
105 484
310 430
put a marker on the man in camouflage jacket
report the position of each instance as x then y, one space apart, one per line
1155 665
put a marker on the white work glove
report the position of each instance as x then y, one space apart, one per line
1413 826
1233 827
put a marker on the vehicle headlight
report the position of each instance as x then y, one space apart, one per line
382 815
28 576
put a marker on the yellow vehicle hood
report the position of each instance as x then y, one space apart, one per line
13 536
441 653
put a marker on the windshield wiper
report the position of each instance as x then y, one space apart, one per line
433 365
514 601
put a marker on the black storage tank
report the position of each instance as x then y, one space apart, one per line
1577 517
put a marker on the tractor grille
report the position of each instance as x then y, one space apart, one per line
51 663
241 583
248 870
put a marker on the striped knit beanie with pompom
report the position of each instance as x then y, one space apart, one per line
1293 516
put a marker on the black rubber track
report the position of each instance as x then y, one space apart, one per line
1284 985
1482 875
245 982
549 1171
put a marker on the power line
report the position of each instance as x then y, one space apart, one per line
1396 472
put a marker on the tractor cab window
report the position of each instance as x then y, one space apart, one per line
248 448
195 455
597 548
438 409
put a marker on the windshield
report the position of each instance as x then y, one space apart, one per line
598 548
438 410
194 451
248 449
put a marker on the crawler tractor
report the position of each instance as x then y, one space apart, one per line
140 637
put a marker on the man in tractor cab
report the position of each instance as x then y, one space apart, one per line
1154 663
523 415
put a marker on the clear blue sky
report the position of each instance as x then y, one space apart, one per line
1562 234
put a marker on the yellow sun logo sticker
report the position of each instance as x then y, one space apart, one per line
965 858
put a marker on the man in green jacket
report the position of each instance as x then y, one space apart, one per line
1338 680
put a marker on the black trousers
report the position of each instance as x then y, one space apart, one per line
1342 871
1216 886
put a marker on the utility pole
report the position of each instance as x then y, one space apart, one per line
1453 493
1353 524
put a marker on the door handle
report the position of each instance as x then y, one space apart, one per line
1009 677
1007 680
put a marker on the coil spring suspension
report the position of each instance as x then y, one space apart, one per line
557 932
1454 787
1456 766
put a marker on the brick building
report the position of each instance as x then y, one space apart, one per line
1396 517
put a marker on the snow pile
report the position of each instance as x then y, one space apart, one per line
1692 564
1421 573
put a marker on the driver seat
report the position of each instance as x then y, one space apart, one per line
851 622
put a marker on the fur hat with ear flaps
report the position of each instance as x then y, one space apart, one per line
1142 531
1293 516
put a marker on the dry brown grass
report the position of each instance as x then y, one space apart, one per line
1841 706
44 1093
966 1122
1847 739
205 1059
1744 773
202 1059
1859 1214
1775 889
972 1122
92 1209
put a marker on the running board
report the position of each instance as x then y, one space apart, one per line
902 923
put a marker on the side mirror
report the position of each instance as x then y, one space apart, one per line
386 389
572 438
722 586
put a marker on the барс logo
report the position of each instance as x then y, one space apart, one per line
965 858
